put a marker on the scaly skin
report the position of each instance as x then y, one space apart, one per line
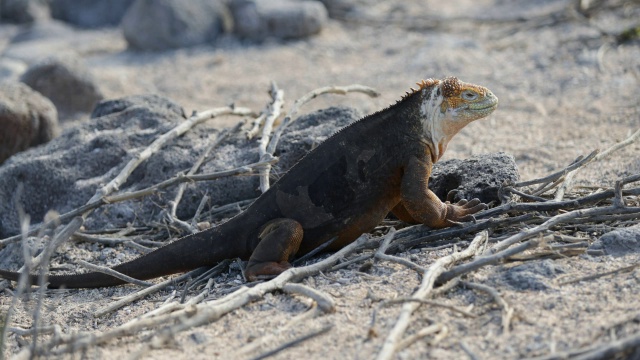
343 188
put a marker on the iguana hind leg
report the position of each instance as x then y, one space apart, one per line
279 240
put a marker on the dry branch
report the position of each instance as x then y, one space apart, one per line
273 112
325 301
507 311
428 280
111 272
485 260
295 342
144 292
617 349
291 117
569 177
429 330
599 275
195 167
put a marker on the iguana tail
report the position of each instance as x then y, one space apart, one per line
190 252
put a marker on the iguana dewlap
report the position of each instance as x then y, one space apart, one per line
343 188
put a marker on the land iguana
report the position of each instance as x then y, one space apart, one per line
341 189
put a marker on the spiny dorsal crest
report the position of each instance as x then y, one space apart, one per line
424 84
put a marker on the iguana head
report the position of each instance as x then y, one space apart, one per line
448 105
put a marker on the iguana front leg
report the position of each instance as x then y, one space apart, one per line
279 240
421 205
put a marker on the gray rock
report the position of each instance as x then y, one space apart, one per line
90 13
43 30
284 19
477 177
66 82
11 69
26 118
339 8
619 242
108 107
23 11
167 24
532 275
65 173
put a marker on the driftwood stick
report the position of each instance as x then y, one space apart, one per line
428 280
402 244
507 311
196 216
23 281
599 275
111 272
559 174
242 170
566 186
161 141
485 260
291 117
429 330
305 337
384 245
429 302
271 337
618 349
196 166
255 127
552 206
273 113
144 292
325 301
113 241
558 219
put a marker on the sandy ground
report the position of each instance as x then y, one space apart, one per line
565 88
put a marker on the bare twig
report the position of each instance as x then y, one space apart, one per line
384 245
144 292
255 127
325 302
428 280
429 330
291 117
552 205
599 275
242 170
618 349
486 260
271 337
507 311
196 216
111 272
273 113
569 177
583 213
305 337
428 302
561 173
195 167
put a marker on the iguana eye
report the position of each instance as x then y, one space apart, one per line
469 95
